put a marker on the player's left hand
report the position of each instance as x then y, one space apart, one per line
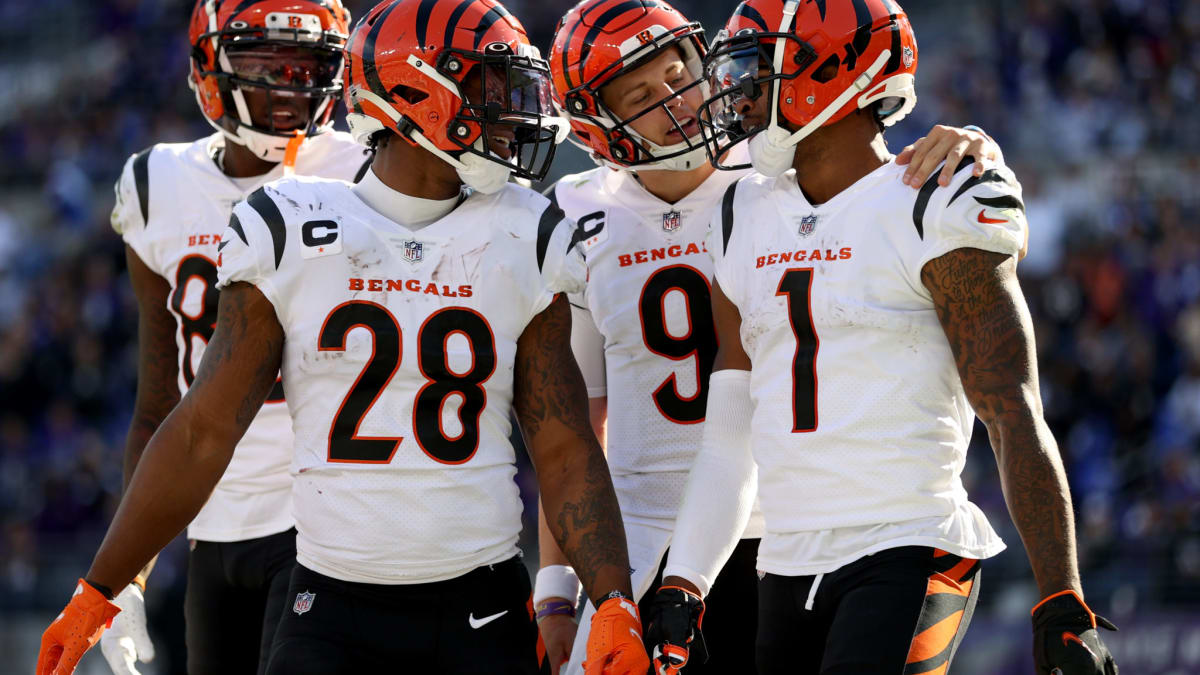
614 646
673 635
127 641
75 630
948 144
1065 639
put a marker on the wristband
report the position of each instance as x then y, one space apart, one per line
611 595
554 608
556 581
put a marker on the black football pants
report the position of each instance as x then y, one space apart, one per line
480 622
902 610
235 595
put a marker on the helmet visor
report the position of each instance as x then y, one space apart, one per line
740 71
509 99
302 70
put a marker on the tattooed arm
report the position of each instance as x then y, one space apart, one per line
158 367
189 452
984 316
580 504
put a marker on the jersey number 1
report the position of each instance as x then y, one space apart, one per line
345 445
796 286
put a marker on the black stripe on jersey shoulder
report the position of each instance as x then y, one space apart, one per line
236 226
1003 202
141 182
362 170
551 217
727 216
269 212
989 176
926 193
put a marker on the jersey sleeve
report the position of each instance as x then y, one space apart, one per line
984 212
588 345
130 214
246 249
721 242
559 256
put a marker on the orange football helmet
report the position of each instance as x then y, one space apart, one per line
596 42
819 60
290 48
458 78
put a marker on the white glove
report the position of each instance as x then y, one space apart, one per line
127 641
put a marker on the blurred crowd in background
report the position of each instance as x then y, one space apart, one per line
1093 102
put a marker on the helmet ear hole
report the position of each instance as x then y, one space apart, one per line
828 70
409 94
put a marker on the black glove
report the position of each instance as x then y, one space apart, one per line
1065 639
673 630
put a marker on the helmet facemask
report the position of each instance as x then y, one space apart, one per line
506 109
627 148
298 68
751 64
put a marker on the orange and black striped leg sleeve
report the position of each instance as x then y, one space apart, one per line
949 603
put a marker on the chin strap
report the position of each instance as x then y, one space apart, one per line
289 153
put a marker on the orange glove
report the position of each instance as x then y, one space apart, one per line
75 631
614 646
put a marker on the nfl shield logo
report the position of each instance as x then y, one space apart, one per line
807 225
413 251
672 221
303 602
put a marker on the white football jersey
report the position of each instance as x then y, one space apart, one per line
649 297
398 357
172 204
861 424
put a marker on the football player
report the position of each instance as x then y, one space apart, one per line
266 75
862 326
629 77
409 318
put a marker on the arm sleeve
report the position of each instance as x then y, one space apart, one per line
721 487
588 345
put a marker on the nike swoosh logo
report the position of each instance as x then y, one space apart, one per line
985 220
1068 638
480 623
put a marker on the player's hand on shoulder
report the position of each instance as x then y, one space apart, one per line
128 641
75 630
673 635
1066 638
949 145
614 644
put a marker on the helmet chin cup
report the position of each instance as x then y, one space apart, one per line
482 174
771 153
267 147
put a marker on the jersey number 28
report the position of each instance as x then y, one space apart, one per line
345 445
